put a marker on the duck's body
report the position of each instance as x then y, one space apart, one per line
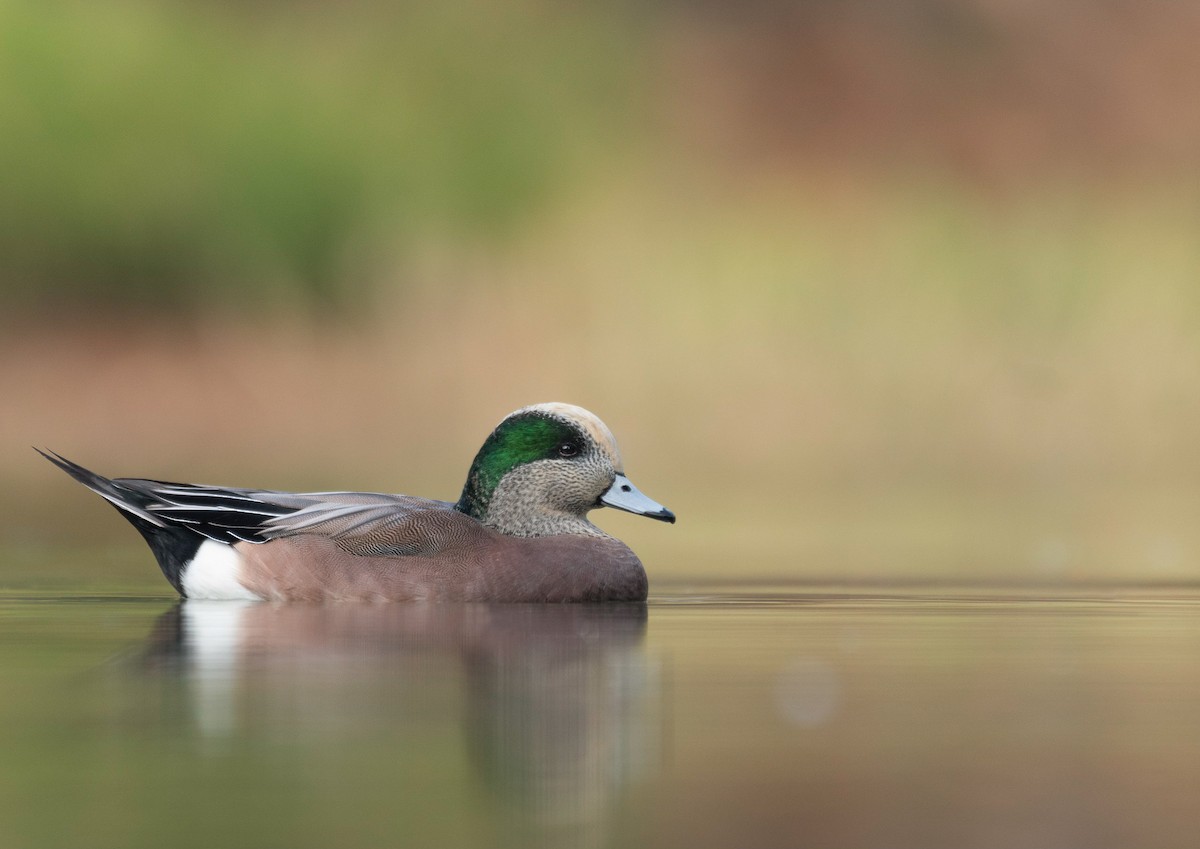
519 533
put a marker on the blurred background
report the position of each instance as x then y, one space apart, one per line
896 290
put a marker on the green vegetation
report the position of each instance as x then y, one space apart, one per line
168 153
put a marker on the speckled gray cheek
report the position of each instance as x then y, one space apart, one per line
550 497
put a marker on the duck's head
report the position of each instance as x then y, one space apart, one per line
544 468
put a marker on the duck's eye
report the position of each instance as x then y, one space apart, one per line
568 449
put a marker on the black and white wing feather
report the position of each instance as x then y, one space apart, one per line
367 523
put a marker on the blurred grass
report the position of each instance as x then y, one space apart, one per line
160 153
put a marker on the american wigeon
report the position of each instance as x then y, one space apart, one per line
519 532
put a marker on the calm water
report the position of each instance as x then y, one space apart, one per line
713 716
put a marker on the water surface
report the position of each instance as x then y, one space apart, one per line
713 716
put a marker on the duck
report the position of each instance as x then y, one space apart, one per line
519 532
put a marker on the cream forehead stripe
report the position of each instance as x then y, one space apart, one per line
590 423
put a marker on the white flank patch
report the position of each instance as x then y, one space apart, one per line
213 574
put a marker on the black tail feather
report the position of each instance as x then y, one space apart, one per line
174 546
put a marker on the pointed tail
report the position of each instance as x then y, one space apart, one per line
173 546
128 501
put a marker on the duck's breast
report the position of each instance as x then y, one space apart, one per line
566 568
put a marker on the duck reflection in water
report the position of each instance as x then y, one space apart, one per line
560 704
